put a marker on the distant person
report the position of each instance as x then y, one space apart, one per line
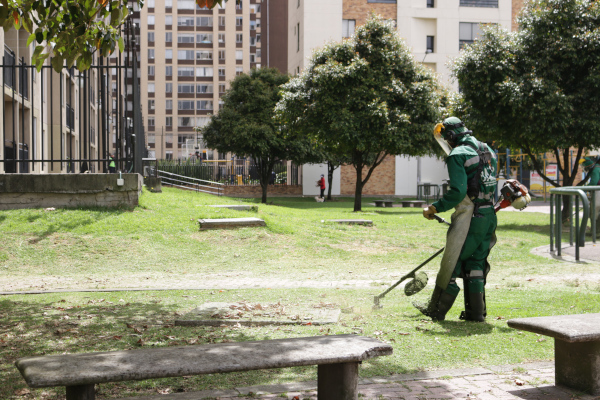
112 166
593 170
321 185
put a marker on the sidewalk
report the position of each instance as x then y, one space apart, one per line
534 381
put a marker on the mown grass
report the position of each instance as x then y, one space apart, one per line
159 242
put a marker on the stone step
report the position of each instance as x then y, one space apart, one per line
239 207
224 223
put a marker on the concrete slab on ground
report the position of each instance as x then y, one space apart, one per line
239 207
224 223
366 222
241 313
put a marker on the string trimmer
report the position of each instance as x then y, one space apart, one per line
419 280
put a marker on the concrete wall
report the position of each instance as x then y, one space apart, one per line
311 173
68 190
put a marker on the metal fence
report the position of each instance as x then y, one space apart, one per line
66 122
188 183
230 172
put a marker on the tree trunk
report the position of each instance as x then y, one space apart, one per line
264 169
359 188
330 169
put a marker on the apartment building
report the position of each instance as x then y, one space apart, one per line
188 56
50 122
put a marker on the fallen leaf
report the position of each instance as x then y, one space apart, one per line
164 391
117 337
22 392
519 382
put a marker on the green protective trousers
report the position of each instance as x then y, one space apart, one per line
474 252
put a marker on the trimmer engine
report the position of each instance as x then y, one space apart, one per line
514 194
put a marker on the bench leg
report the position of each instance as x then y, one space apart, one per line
338 381
577 365
81 392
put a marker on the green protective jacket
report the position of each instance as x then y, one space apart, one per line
594 176
462 164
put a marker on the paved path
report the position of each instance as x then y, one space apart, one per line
533 381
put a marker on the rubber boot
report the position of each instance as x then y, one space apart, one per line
439 305
477 307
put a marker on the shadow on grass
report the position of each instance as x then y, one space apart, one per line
545 229
92 324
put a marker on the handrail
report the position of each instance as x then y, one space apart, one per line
191 183
580 230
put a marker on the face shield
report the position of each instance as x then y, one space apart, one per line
437 133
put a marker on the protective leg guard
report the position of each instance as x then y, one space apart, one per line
477 303
441 302
474 291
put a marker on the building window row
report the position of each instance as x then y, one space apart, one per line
195 88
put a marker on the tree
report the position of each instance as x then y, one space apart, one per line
70 31
364 99
538 88
246 127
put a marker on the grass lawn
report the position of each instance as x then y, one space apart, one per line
159 244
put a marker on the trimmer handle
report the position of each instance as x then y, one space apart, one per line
440 219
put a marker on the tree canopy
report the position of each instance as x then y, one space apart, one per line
538 88
364 99
245 125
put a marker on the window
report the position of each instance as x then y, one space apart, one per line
204 88
204 105
169 139
168 3
221 88
348 26
185 71
169 70
204 55
185 21
169 121
222 38
204 38
185 54
254 8
169 154
202 121
150 70
169 54
151 138
239 54
150 37
168 87
430 48
204 71
253 25
238 21
258 53
221 54
185 88
150 19
239 70
150 121
168 104
150 4
185 104
430 3
150 54
186 4
479 3
168 20
298 37
468 32
254 40
204 21
221 104
221 21
239 38
169 37
221 71
238 6
185 122
185 38
252 57
151 88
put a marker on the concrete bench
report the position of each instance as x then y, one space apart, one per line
366 222
413 203
223 223
337 357
239 207
576 347
384 203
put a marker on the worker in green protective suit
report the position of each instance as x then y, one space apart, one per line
472 167
593 170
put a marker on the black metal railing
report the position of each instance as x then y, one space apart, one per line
23 80
479 3
230 172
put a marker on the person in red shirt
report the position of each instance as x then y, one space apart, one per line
321 185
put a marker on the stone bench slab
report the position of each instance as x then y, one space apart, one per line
570 328
384 203
239 207
221 223
413 203
352 221
116 366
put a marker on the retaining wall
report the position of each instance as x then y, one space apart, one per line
256 191
68 190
